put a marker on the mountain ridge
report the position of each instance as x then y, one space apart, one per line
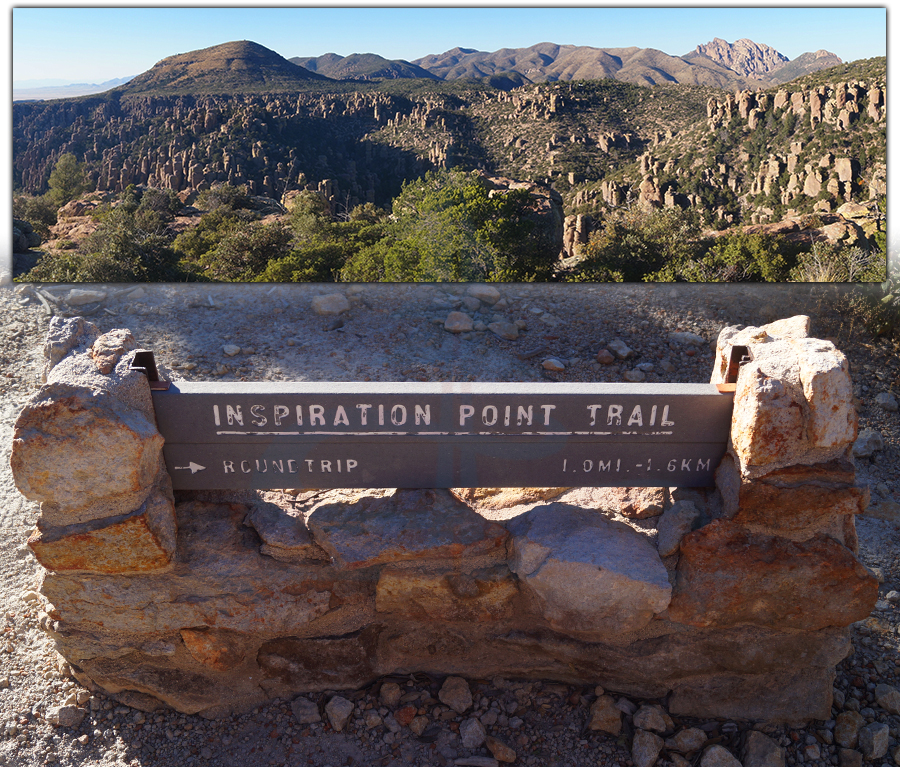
247 67
232 67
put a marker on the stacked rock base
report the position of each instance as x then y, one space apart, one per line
727 602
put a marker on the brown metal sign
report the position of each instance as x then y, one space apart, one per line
420 435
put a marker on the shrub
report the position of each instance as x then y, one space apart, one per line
448 227
637 244
827 262
736 257
40 212
225 196
244 252
118 251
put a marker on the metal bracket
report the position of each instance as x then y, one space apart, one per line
144 362
740 355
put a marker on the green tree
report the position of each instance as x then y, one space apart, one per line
448 226
735 257
635 243
244 252
67 180
321 245
37 211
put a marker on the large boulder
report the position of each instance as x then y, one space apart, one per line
728 576
590 574
793 402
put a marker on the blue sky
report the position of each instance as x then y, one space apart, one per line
101 43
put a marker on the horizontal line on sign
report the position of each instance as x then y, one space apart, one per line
441 433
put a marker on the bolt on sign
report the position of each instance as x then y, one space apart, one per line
433 435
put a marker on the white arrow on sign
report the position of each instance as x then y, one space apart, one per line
194 467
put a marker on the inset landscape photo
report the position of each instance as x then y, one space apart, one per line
449 145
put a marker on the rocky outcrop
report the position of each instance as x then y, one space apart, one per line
24 237
745 57
733 601
87 448
285 142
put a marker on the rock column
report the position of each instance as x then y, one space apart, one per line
86 447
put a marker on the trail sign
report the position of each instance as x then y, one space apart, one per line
432 435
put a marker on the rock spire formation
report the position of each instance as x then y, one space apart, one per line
753 60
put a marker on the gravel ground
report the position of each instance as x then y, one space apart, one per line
395 333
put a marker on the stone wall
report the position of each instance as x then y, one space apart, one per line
729 602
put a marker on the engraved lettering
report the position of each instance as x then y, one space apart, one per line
398 415
258 418
340 416
637 417
522 414
316 415
665 417
234 415
547 409
614 413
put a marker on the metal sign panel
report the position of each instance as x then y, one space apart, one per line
415 435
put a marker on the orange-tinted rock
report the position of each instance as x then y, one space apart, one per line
768 419
728 576
140 542
84 454
220 650
108 349
405 526
405 715
792 500
503 497
633 502
478 596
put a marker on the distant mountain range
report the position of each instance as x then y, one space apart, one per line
717 63
63 90
244 66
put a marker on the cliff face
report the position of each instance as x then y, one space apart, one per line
753 60
268 142
746 156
